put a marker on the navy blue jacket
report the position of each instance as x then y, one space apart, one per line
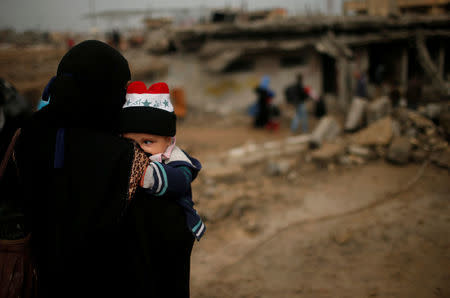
171 180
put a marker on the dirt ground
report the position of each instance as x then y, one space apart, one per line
375 230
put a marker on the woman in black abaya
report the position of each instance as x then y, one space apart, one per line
79 176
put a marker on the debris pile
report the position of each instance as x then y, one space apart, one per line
236 183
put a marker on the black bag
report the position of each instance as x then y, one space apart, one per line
18 276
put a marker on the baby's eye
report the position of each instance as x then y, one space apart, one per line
147 142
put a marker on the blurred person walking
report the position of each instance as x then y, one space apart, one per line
297 95
263 110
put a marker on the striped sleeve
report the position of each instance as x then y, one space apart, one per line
160 179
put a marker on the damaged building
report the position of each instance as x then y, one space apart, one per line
328 50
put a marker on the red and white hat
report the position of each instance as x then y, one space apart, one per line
148 111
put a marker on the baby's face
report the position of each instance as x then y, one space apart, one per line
152 144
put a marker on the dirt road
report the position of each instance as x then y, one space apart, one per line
373 231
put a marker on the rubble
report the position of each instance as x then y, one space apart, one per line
399 150
361 151
356 114
222 171
328 153
277 168
378 133
379 108
432 110
422 132
327 130
396 128
399 138
420 121
442 158
253 153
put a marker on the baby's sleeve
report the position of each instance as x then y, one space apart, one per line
160 178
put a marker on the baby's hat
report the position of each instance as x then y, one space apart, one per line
148 111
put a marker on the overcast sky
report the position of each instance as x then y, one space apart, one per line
64 15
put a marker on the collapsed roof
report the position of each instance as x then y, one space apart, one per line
221 44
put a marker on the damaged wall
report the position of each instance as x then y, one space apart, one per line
340 45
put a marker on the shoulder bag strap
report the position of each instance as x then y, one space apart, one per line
8 153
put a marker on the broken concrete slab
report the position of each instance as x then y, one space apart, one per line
222 172
378 133
441 158
396 128
379 108
254 153
399 150
350 159
327 130
356 114
361 151
295 149
300 139
420 121
278 168
433 110
328 153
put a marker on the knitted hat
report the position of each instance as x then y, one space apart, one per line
148 111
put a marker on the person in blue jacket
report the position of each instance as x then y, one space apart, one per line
162 211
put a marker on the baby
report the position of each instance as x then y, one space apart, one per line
148 118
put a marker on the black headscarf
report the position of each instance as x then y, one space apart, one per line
73 207
90 86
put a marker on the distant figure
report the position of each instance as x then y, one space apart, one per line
297 95
414 92
361 85
262 113
116 38
70 43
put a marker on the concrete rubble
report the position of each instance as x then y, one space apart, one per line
442 158
279 167
399 150
356 114
361 151
328 130
401 136
327 153
252 153
378 133
379 108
